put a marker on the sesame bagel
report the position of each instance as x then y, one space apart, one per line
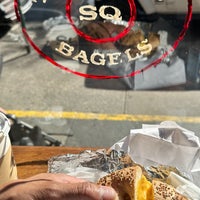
124 182
163 191
131 184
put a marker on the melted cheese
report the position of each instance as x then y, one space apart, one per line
144 189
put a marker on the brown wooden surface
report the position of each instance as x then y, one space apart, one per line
32 160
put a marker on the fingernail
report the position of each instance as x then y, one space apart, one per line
107 193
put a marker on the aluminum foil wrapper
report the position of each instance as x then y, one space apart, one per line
89 165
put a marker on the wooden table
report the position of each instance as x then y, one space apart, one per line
32 160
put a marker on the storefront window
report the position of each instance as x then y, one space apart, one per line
87 72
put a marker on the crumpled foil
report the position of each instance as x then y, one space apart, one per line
89 165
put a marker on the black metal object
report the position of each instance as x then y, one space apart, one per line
5 24
24 134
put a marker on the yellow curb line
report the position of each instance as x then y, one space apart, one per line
100 116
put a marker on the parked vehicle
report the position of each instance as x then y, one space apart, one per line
168 6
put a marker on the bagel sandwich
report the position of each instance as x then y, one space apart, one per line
131 184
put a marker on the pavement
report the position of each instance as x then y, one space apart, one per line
86 112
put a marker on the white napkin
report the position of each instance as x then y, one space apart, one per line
167 144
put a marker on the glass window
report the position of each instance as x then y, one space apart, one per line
88 71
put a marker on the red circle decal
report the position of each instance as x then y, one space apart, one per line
104 40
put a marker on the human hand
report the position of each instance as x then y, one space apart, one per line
55 187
